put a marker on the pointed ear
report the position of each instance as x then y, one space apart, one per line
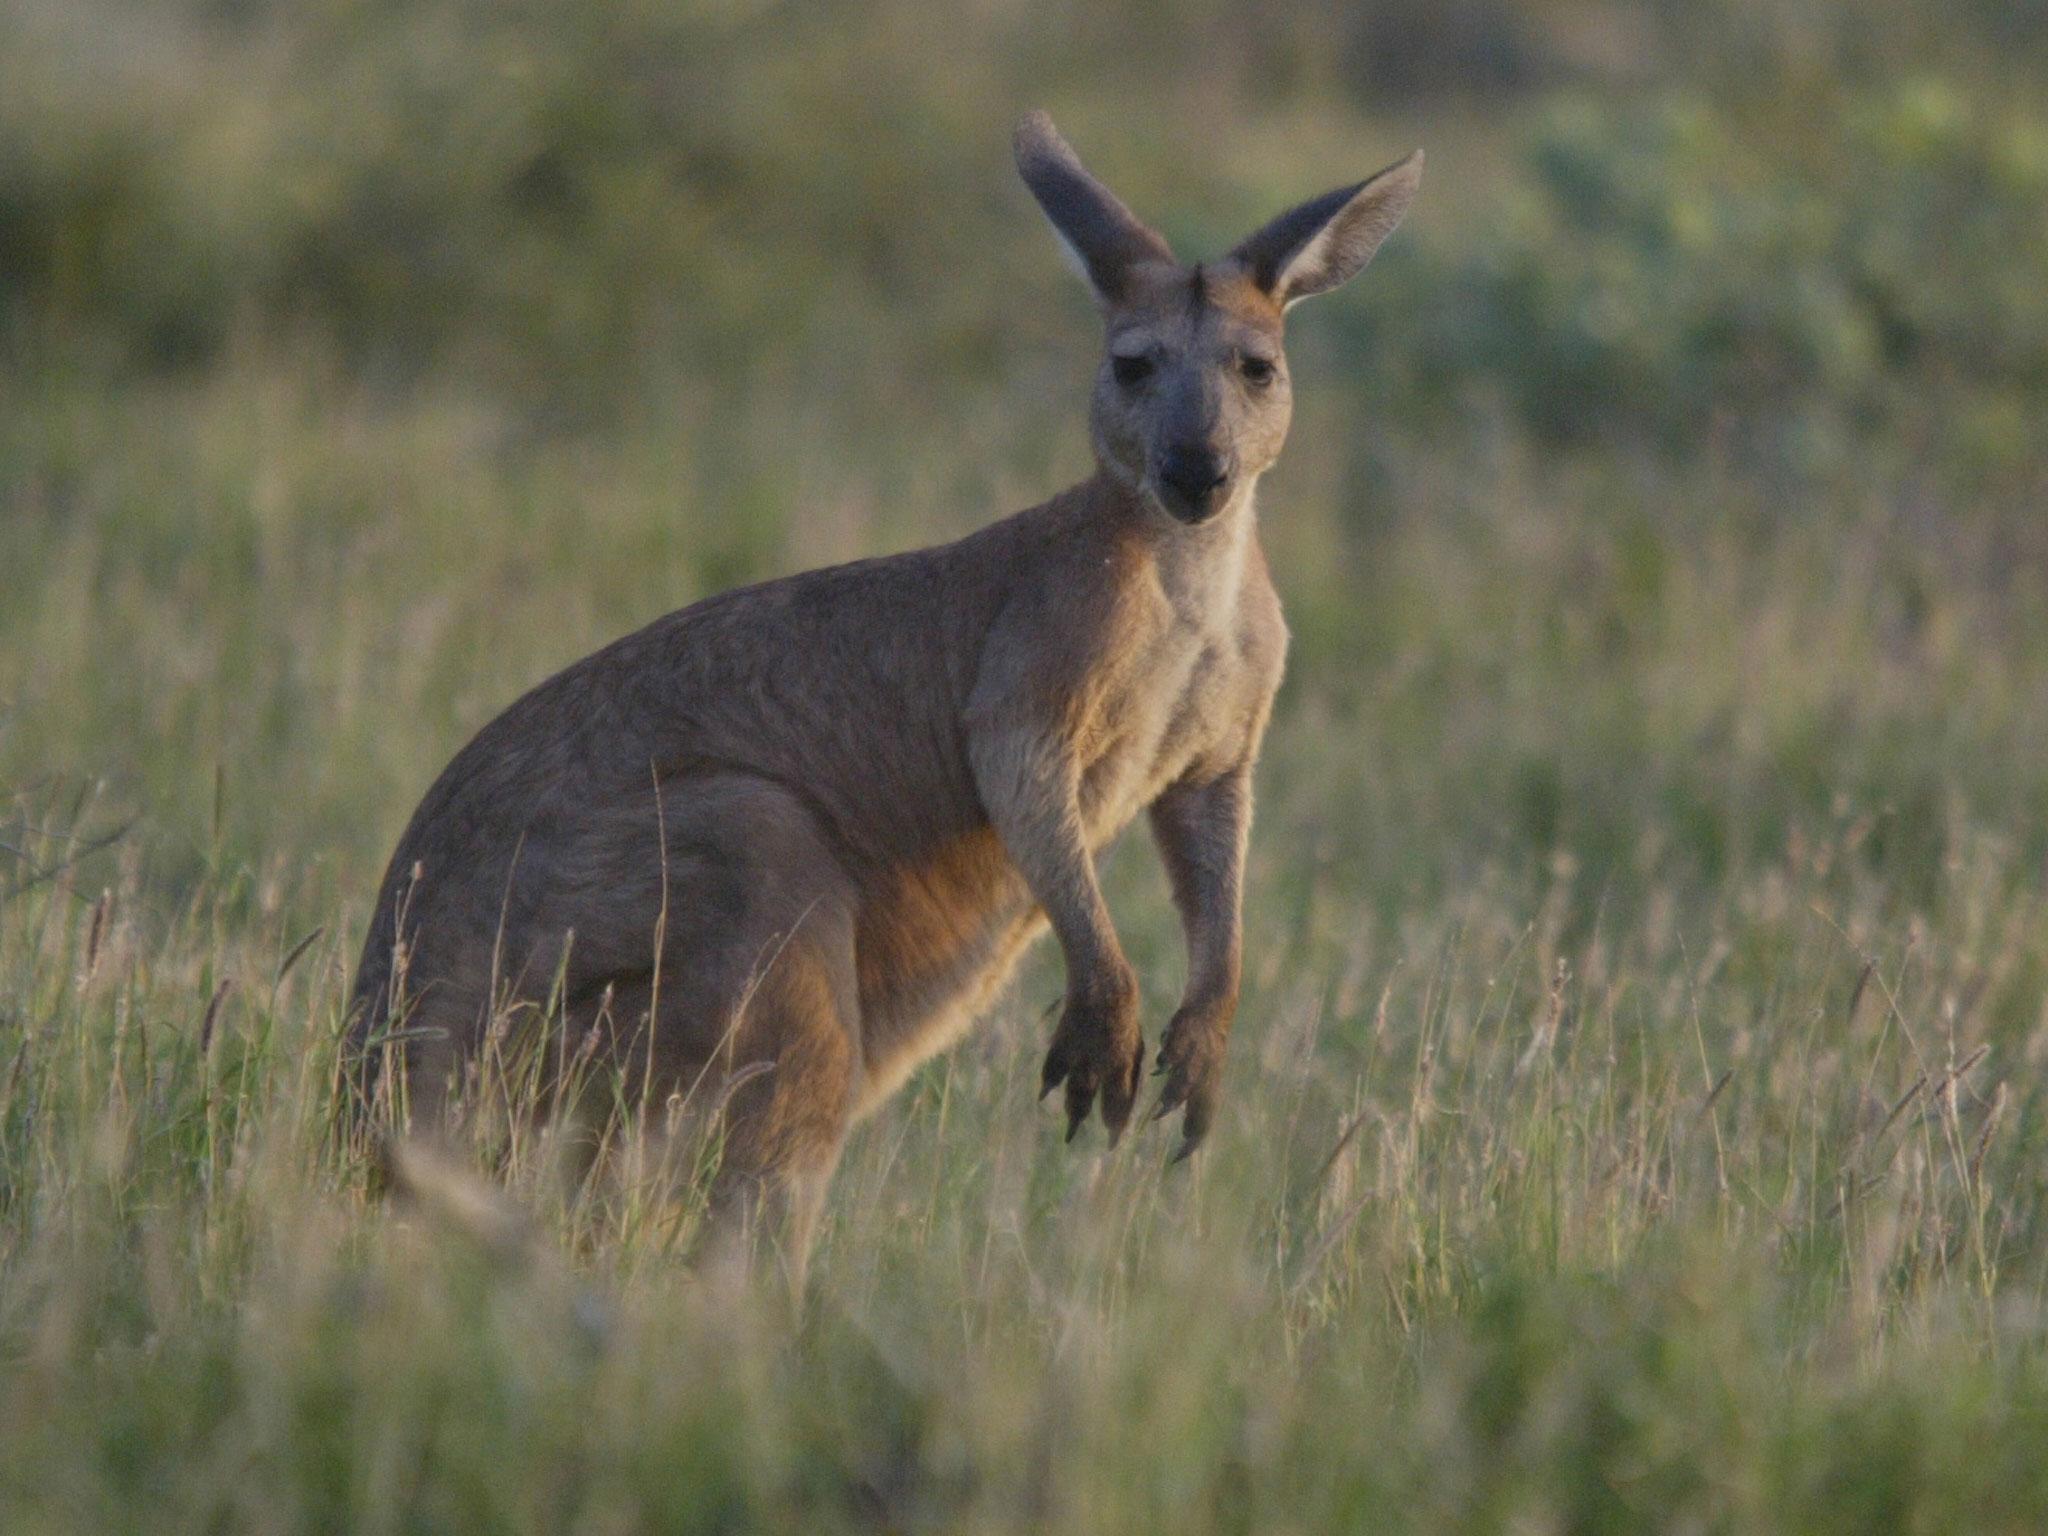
1329 239
1103 237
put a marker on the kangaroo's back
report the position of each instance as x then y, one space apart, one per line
842 686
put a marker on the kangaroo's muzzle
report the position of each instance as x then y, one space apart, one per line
1193 482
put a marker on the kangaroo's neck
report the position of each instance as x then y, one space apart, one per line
1200 566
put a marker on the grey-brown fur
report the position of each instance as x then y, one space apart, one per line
839 805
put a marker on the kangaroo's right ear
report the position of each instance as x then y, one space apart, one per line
1103 238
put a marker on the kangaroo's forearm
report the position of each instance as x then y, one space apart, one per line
1202 830
1029 794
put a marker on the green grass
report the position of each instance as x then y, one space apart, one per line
1635 1119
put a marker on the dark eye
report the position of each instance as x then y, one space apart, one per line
1131 371
1256 370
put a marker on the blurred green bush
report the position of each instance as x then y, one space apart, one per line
561 199
1668 270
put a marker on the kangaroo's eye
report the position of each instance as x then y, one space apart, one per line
1256 370
1130 371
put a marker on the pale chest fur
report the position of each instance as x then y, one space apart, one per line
1194 681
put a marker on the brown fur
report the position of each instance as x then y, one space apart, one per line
810 825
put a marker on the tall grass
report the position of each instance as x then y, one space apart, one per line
1708 1202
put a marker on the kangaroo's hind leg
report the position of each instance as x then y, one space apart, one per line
751 1029
788 1099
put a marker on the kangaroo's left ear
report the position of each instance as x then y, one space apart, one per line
1329 239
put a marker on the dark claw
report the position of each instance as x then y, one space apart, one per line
1054 1073
1187 1150
1075 1120
1118 1105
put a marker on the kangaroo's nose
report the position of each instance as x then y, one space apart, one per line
1192 477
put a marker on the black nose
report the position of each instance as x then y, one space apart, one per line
1192 479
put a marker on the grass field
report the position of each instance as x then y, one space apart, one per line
1636 1116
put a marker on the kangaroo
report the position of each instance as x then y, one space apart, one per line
793 838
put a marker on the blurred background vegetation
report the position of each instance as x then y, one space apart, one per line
1663 537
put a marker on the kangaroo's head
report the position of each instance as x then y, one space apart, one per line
1192 402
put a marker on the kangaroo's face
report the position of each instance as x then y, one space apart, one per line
1192 402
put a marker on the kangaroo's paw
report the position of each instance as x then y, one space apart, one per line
1191 1061
1098 1053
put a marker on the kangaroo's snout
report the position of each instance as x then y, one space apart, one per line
1193 480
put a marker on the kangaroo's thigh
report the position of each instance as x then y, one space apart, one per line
691 956
751 1032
